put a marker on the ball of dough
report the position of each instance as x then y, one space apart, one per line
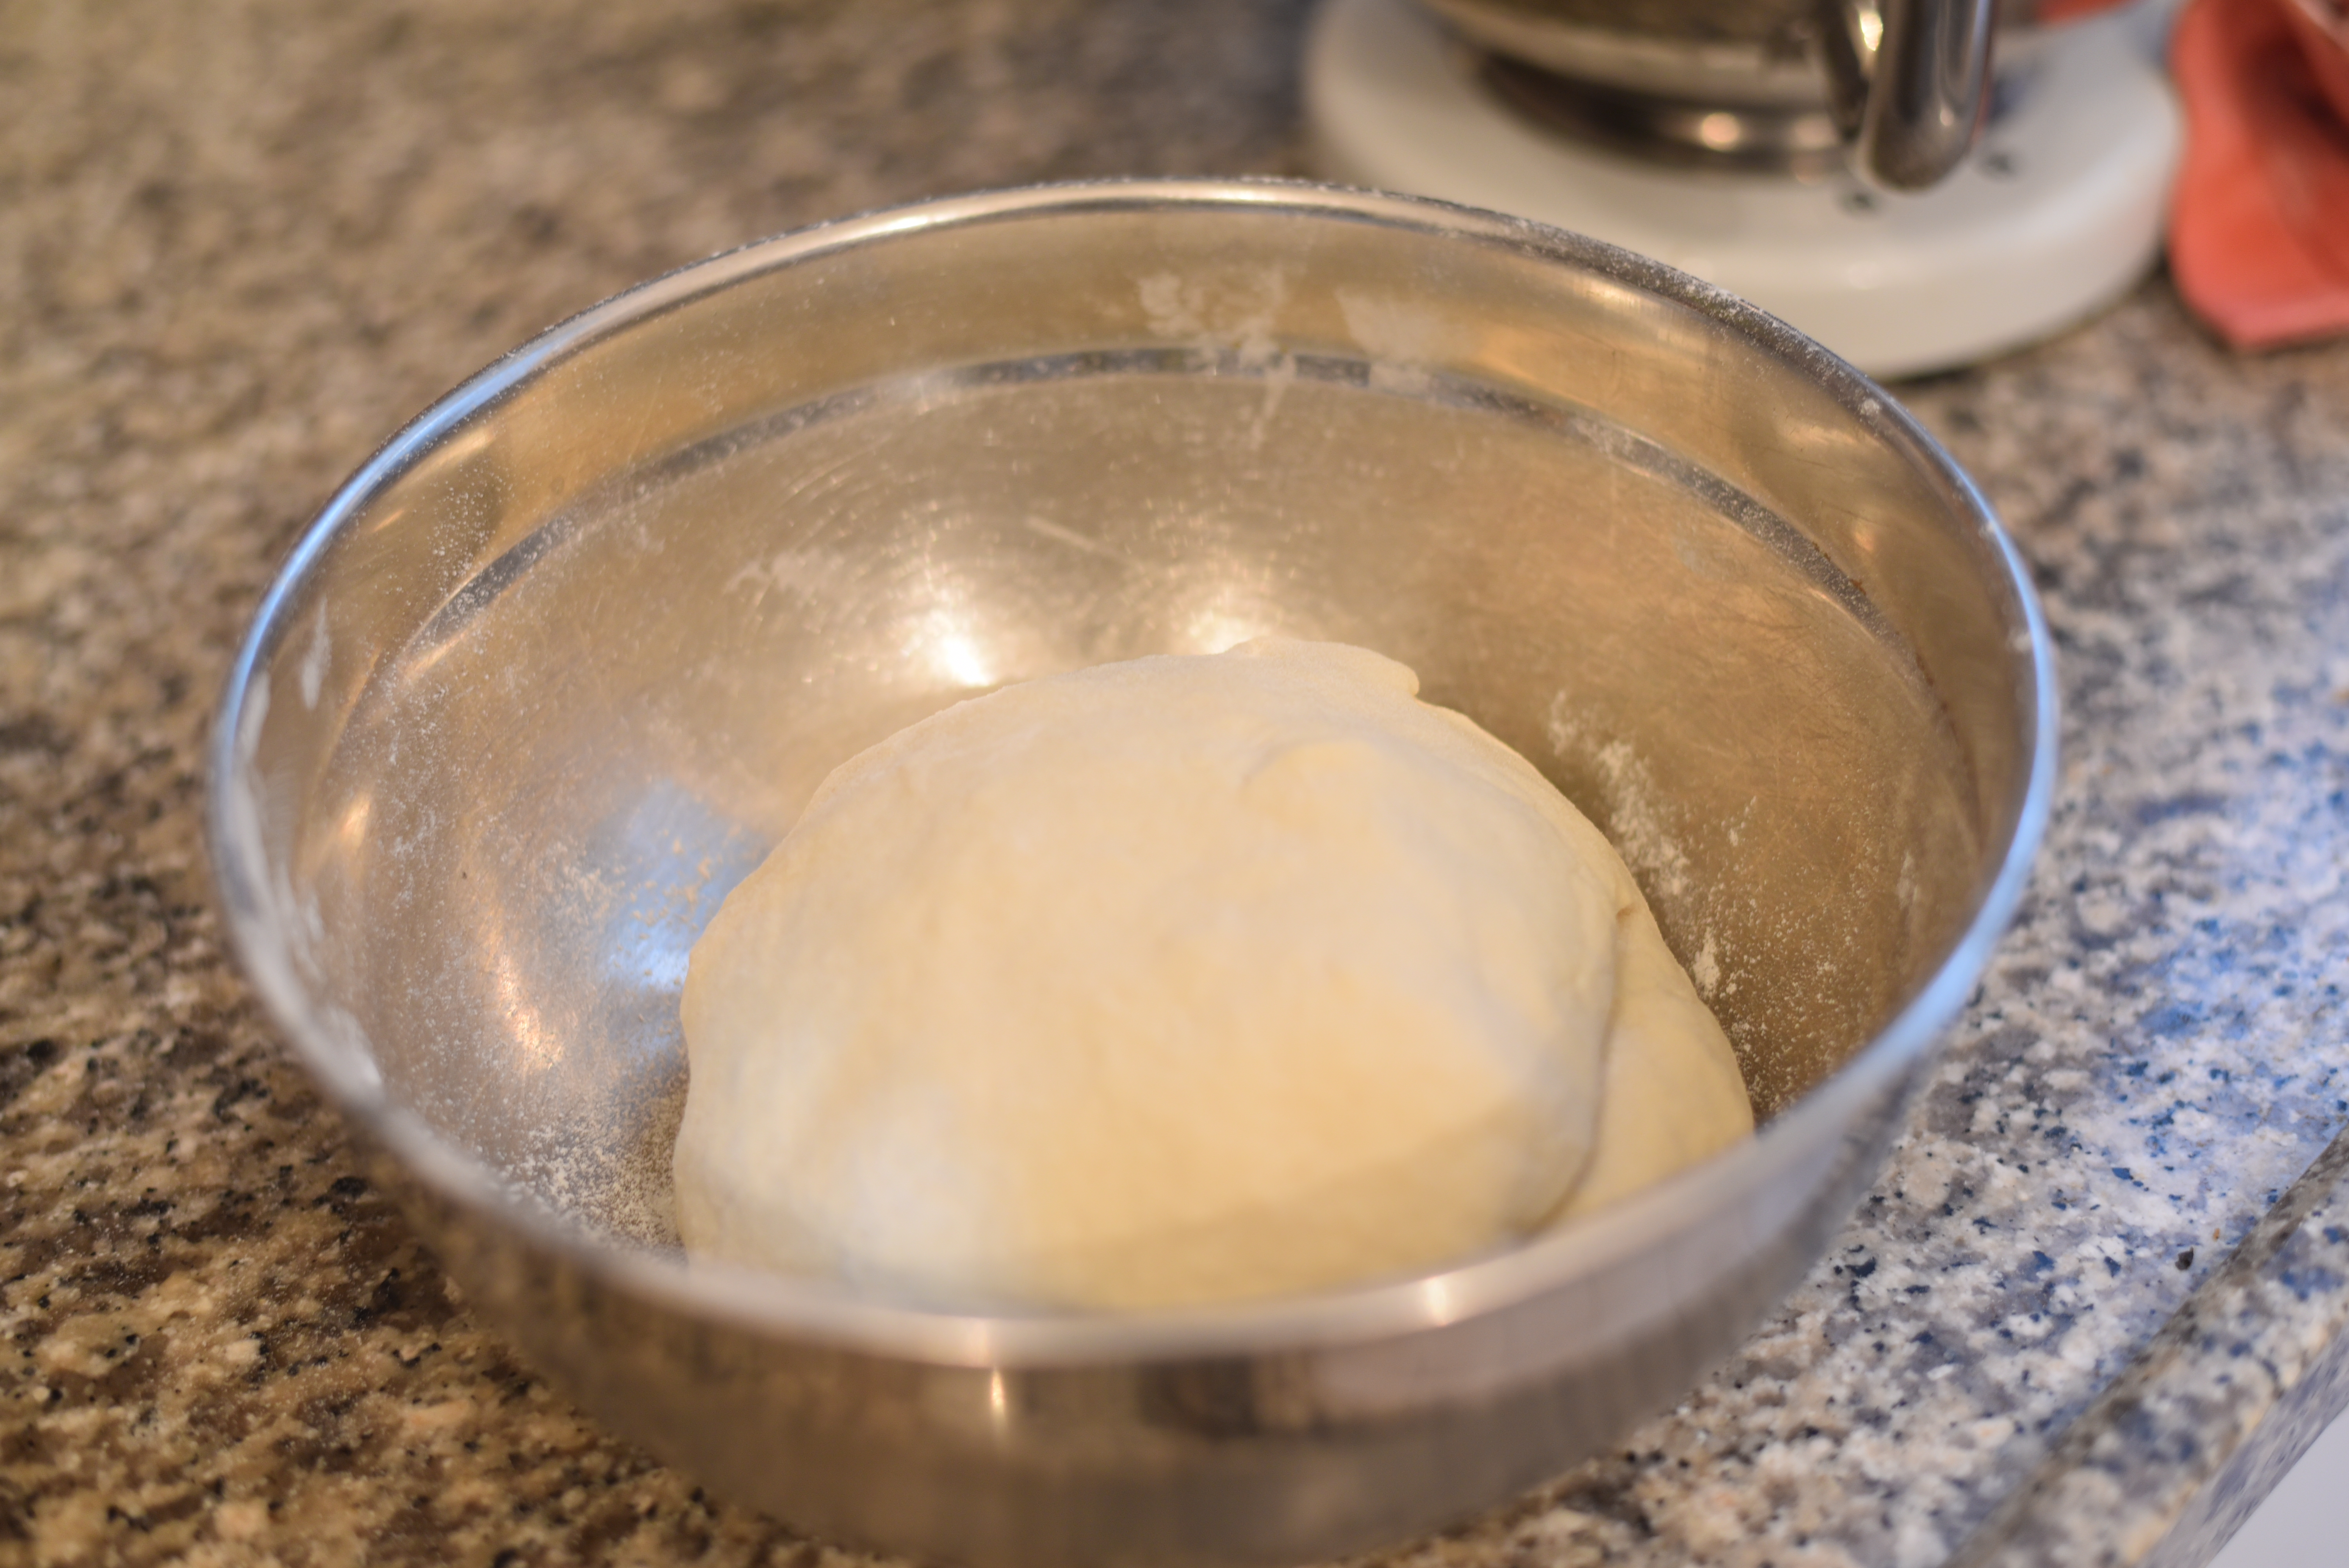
1188 979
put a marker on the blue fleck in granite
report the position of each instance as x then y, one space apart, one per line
2233 1388
244 240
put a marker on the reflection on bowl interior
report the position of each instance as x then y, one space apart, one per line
539 799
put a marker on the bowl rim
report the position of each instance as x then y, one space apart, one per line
1376 1311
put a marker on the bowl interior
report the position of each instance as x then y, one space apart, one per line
561 666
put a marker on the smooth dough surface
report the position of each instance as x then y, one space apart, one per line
1192 978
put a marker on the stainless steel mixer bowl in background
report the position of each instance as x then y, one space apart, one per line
563 659
1895 89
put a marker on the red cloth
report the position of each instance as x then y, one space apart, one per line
2259 228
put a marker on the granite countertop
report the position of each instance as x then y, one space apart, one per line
2091 1306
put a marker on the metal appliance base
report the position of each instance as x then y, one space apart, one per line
2057 213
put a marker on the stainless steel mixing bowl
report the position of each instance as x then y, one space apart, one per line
559 664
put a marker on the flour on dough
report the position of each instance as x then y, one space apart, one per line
1192 978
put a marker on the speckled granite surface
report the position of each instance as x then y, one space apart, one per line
241 243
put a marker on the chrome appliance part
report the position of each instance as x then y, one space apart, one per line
2058 212
1908 81
560 663
1802 140
1898 88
